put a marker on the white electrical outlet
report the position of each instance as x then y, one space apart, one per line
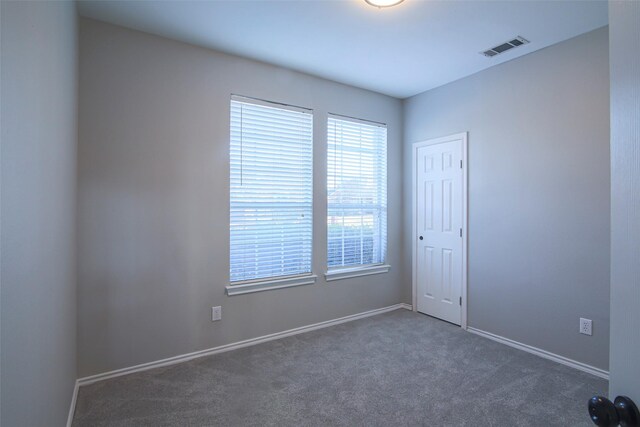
216 313
585 326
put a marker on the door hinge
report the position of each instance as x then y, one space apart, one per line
460 164
460 300
461 232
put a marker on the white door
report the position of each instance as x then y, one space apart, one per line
438 227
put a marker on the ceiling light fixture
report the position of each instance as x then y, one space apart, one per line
383 3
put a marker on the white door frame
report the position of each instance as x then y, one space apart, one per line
463 137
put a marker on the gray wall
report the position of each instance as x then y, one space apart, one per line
153 200
538 192
625 198
38 205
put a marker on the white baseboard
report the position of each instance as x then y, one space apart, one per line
233 346
72 407
406 306
543 353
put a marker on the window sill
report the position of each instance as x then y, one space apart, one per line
347 273
269 284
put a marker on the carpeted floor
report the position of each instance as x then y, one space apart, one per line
394 369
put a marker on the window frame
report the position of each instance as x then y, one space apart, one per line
240 287
351 271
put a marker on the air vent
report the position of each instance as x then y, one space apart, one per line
518 41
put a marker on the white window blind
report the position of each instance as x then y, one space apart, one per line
357 193
271 190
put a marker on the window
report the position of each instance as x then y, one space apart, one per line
271 196
357 194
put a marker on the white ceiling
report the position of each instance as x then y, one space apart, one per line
399 51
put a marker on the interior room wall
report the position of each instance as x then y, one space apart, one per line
38 205
625 198
153 196
539 191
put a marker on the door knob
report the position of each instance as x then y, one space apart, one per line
420 237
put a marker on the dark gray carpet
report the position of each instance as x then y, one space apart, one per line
399 368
